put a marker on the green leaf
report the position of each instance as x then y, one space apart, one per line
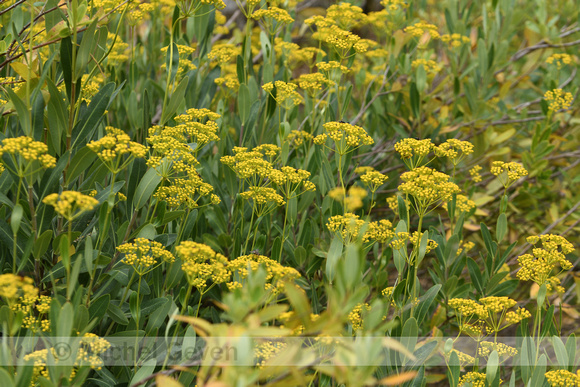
16 218
117 314
175 100
244 103
334 254
64 252
538 377
571 350
560 351
402 209
487 239
426 301
86 47
5 378
454 369
346 100
409 336
99 307
134 306
65 320
415 100
74 276
80 163
450 253
42 243
146 187
423 247
92 116
475 274
491 367
501 228
421 78
21 111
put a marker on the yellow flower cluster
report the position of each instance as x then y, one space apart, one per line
474 172
113 146
328 67
559 99
29 156
462 204
267 350
286 95
273 18
486 314
314 83
346 226
508 172
474 379
393 5
118 51
346 137
373 179
14 287
89 349
455 40
70 204
560 60
230 81
223 53
263 195
354 198
202 264
346 15
276 274
540 265
427 186
399 240
143 253
342 41
380 231
185 63
463 357
252 165
186 192
563 378
355 316
487 347
430 66
421 28
297 138
413 151
454 149
289 180
416 240
196 126
393 202
31 320
465 246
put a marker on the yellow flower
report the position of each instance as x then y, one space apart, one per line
314 83
286 94
142 254
474 172
454 149
28 156
563 378
455 40
273 18
559 100
541 264
355 317
276 274
373 179
413 151
297 138
560 60
474 379
346 137
112 147
508 172
430 66
70 204
14 287
346 15
202 264
263 195
428 187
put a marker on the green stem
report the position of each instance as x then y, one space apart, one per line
249 230
137 320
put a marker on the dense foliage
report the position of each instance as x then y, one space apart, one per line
355 194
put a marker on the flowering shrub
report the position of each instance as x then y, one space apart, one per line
368 194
